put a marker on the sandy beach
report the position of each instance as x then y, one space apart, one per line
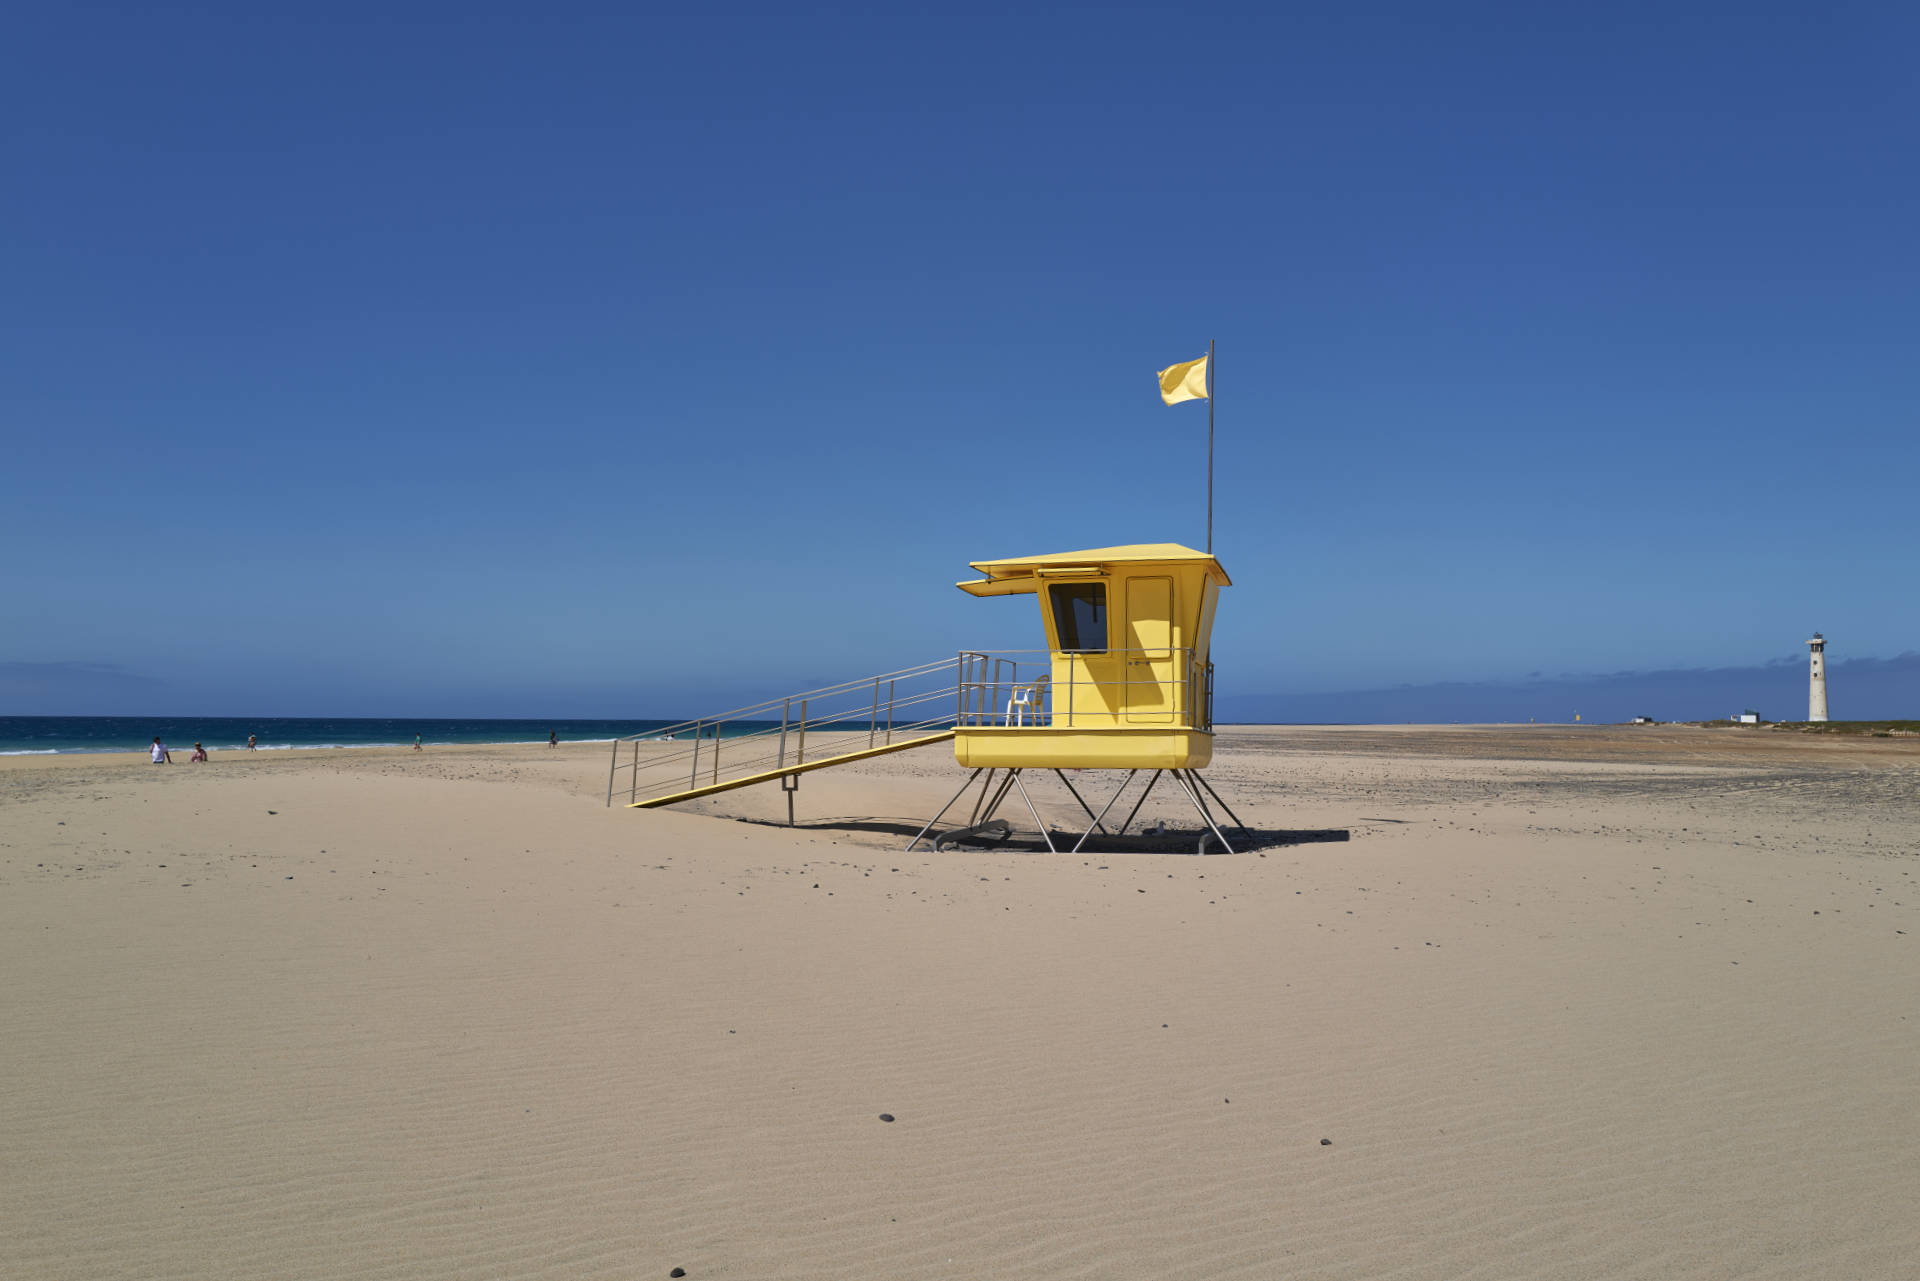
1527 1002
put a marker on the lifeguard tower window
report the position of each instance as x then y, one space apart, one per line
1080 616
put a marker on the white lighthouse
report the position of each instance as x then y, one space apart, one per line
1817 680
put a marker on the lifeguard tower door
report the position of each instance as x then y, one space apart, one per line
1088 676
1152 691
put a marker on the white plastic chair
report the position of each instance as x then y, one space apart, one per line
1028 700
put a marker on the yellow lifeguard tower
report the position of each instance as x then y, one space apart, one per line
1125 682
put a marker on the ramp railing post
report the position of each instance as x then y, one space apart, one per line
693 780
633 793
716 752
800 757
786 714
890 696
613 767
873 721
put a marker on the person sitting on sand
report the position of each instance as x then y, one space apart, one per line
199 754
161 756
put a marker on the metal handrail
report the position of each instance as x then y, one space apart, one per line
884 709
974 687
740 713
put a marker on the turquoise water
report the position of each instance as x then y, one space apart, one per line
51 735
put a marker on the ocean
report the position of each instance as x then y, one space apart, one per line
53 735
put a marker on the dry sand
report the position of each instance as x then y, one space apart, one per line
1568 1004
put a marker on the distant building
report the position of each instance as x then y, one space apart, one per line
1643 720
1748 717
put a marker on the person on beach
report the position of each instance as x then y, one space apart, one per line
199 754
416 742
553 738
161 756
250 744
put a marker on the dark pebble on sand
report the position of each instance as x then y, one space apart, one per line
886 1116
678 1272
1326 1143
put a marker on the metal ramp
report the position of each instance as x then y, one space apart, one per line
784 738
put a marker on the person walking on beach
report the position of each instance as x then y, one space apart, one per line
553 739
250 744
416 742
161 756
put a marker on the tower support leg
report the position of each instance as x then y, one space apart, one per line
1044 834
942 814
986 785
1134 813
1083 805
1201 805
1103 810
1195 775
999 799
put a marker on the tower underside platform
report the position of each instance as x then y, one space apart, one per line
1128 747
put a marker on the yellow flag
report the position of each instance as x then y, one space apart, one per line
1184 382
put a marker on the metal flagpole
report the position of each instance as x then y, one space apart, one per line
1209 446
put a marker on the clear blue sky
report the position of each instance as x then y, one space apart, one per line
572 359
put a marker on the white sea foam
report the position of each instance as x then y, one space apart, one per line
33 751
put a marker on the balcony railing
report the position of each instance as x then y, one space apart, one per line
1105 689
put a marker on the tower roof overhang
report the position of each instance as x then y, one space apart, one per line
1018 575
